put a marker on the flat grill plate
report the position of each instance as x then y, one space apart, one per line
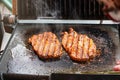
20 58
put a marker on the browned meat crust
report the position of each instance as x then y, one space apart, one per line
46 45
79 47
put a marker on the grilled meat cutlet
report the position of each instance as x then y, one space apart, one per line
78 46
46 45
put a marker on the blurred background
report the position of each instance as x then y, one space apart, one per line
6 11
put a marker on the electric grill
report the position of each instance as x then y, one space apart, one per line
37 16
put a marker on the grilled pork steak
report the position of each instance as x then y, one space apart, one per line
46 45
79 46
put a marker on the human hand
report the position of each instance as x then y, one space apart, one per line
110 5
117 66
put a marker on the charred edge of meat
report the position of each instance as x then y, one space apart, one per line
80 47
46 45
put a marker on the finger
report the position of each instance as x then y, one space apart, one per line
118 62
116 68
117 3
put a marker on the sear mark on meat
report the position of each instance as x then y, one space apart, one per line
46 45
78 46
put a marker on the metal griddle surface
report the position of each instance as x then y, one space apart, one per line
20 58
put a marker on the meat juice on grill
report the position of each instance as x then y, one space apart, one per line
78 46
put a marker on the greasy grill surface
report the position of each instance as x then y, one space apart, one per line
61 9
46 45
79 46
20 58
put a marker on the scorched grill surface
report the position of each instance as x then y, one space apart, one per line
20 58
